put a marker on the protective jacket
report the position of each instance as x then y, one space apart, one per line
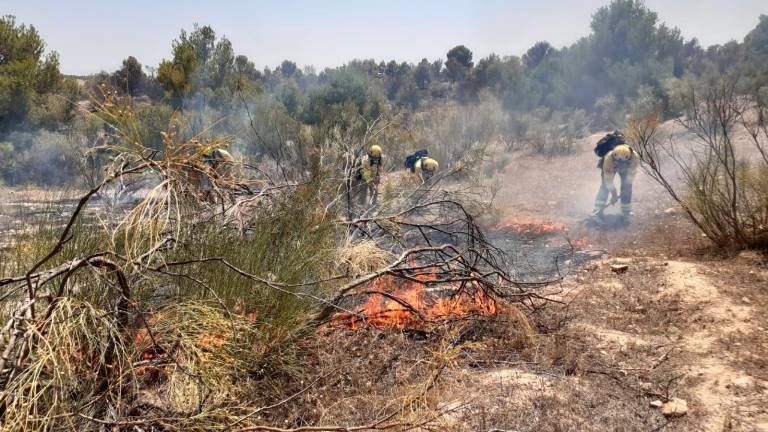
371 169
627 169
423 173
219 156
221 163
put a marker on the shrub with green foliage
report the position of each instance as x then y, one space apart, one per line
340 88
29 77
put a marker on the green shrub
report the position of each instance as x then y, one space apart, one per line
151 120
289 241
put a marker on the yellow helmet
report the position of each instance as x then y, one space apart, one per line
430 164
224 154
374 150
622 152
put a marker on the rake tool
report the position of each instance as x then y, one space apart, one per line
605 206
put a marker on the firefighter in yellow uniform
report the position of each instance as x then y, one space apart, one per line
368 176
221 164
425 168
622 160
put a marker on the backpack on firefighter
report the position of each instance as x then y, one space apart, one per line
410 160
608 143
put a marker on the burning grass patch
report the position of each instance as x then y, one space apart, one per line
398 303
532 226
197 355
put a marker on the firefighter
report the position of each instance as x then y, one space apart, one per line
220 160
220 163
425 168
624 161
368 176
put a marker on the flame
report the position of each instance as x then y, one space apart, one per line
539 227
244 311
210 340
580 243
142 337
432 304
529 226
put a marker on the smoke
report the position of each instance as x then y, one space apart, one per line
40 157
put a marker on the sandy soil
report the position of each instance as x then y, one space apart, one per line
680 323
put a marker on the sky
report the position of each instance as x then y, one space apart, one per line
95 35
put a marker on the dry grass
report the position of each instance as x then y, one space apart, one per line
78 368
358 257
198 356
359 375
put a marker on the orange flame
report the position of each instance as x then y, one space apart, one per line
210 340
425 302
581 243
529 226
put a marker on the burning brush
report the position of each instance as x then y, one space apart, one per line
540 228
535 227
394 302
467 276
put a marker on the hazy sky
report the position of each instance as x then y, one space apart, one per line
93 35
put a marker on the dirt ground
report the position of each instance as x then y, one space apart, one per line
682 322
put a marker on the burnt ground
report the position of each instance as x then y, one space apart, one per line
19 209
682 322
24 210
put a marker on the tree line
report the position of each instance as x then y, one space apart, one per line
627 55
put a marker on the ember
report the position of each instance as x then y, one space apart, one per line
580 244
529 226
210 340
420 303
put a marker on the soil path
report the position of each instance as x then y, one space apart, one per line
722 390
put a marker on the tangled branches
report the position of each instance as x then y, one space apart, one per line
183 305
723 185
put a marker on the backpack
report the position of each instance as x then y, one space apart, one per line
608 143
410 161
